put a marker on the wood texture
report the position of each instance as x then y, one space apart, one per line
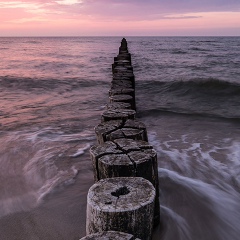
118 105
111 130
123 98
127 158
121 204
111 235
118 114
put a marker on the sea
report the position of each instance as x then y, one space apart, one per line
52 93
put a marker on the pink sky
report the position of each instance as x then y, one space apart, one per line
120 18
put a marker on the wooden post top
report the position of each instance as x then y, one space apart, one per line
109 236
121 194
124 42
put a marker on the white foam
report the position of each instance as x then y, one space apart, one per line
62 179
180 224
17 203
221 204
214 162
81 151
50 134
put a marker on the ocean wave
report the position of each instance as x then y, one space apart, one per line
28 84
218 207
199 49
206 97
33 42
203 85
178 51
210 85
208 41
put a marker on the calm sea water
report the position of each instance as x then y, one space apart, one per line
52 94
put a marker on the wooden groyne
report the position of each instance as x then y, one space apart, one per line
124 201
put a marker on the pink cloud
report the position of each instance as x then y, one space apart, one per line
132 9
110 17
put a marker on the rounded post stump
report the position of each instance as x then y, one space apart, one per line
123 98
121 204
117 91
111 130
124 56
118 114
110 236
123 69
122 63
129 75
118 105
122 83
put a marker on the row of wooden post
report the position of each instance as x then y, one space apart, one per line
124 201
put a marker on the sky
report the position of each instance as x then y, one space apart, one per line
120 18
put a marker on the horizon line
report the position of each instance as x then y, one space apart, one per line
43 36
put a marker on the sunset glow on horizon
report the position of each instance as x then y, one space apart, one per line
119 18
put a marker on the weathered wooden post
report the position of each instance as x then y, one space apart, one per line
121 204
123 46
121 62
111 235
118 105
123 98
111 130
118 91
119 82
123 56
127 158
118 114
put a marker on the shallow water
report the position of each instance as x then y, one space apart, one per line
199 177
53 91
